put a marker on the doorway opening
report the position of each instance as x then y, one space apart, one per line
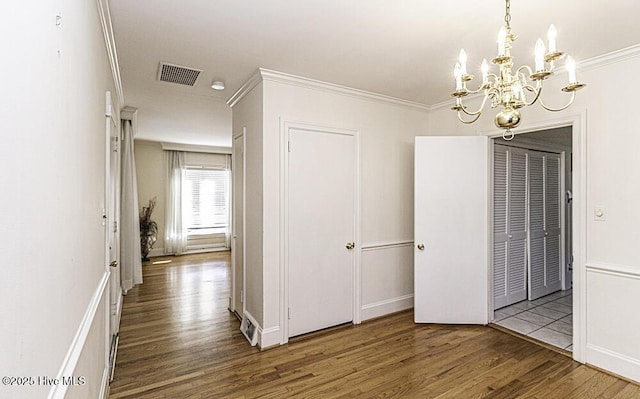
532 235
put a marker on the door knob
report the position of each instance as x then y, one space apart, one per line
114 263
421 247
350 245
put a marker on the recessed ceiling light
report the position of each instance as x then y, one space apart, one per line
217 85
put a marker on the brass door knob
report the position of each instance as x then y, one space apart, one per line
421 247
351 245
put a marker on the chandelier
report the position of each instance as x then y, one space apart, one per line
510 90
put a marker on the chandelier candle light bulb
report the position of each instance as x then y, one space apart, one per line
457 73
462 58
540 50
512 88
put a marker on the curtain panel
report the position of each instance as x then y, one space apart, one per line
175 239
130 255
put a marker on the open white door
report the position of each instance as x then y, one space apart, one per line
111 221
451 230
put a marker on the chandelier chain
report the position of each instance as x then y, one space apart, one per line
507 15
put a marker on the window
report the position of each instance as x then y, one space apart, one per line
206 201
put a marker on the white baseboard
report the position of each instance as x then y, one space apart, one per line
269 337
119 307
204 250
70 361
266 337
155 252
614 362
104 387
388 306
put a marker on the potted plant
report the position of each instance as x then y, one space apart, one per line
148 229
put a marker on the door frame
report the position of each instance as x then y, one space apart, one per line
285 127
111 216
578 123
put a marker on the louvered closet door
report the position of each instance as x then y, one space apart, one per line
544 221
553 233
510 234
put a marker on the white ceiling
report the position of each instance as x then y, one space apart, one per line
400 48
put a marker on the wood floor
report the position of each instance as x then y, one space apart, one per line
178 340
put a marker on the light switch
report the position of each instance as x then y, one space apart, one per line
599 214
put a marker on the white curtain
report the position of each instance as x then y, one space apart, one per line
229 199
130 257
175 237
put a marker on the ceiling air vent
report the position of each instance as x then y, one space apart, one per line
178 74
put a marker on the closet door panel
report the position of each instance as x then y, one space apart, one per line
517 276
553 227
509 226
517 226
545 246
500 243
500 261
537 250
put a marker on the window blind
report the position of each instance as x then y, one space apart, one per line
206 199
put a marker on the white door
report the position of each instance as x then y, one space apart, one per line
237 252
112 235
509 225
321 229
545 238
451 230
113 228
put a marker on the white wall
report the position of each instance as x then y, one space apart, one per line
612 264
387 130
180 117
249 114
151 175
53 154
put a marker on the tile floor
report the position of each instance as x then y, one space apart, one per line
548 319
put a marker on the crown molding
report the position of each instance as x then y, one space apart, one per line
599 61
245 89
210 149
263 74
107 31
609 58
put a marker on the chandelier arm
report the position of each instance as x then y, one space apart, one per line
525 67
536 90
470 121
481 88
573 97
478 112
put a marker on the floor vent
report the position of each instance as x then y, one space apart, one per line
178 74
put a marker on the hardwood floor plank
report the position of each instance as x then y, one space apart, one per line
178 340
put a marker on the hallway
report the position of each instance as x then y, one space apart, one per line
178 340
176 325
